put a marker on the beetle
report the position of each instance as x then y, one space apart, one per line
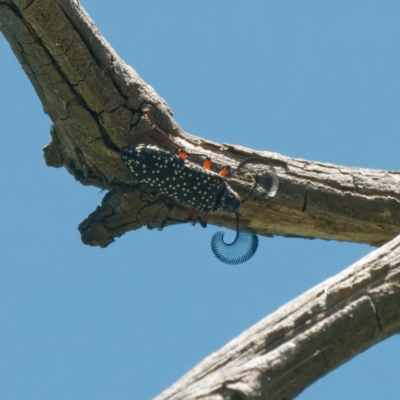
179 178
202 189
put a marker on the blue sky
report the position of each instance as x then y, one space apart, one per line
307 79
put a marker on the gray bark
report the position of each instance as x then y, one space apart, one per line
98 105
306 338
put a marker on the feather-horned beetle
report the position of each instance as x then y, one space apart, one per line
200 188
179 178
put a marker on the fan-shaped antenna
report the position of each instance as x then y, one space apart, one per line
266 181
243 247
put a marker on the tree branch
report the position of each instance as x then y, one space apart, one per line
98 105
306 338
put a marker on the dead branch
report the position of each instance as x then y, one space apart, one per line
98 105
306 338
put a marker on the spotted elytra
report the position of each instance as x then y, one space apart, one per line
201 189
180 179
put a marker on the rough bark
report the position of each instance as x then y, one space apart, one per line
98 105
306 338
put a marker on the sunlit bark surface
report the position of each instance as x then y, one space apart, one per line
98 105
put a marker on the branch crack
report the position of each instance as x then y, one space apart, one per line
28 5
378 321
305 200
107 140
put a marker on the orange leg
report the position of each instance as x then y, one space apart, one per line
191 214
207 165
203 220
225 170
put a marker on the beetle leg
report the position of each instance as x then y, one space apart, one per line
207 165
225 170
204 220
191 215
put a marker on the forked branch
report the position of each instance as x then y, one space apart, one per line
98 105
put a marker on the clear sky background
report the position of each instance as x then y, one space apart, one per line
317 80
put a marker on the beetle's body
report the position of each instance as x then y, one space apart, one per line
201 189
180 179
